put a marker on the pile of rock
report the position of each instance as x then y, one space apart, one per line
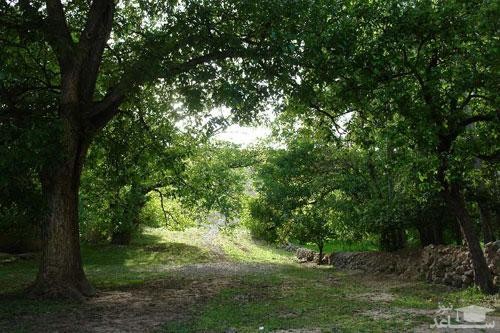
377 262
305 255
450 265
492 254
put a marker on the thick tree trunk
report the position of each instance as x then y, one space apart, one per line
61 272
486 222
456 203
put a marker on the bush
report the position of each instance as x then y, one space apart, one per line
259 220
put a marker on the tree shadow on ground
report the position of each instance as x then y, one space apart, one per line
109 268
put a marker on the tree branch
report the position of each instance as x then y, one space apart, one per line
105 109
165 212
495 157
462 126
479 118
92 42
331 117
57 33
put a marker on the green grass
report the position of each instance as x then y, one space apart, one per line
425 296
321 298
148 257
294 297
109 266
285 296
344 246
239 246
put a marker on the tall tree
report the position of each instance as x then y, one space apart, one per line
431 63
101 53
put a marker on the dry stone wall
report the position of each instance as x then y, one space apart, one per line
450 265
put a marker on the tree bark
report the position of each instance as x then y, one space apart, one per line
486 222
61 272
456 203
320 259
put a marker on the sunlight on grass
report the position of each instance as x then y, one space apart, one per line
239 246
287 296
344 246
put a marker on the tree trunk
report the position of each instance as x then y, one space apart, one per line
430 232
456 202
320 259
486 222
61 272
392 239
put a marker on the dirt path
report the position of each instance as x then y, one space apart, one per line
144 308
147 307
181 290
141 309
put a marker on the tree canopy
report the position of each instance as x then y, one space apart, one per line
387 122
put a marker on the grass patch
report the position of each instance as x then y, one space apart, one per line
426 296
108 266
282 295
239 246
344 246
293 297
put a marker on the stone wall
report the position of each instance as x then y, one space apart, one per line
450 265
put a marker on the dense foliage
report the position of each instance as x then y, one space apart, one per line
388 123
392 123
